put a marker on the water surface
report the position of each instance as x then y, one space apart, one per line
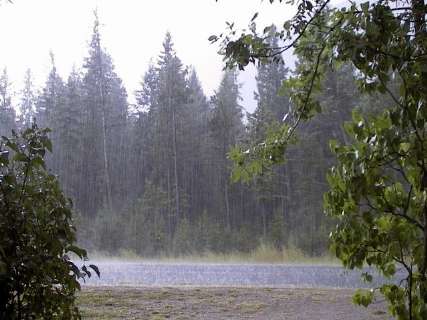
117 273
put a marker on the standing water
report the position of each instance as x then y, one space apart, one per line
117 273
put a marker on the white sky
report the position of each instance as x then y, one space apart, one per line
132 32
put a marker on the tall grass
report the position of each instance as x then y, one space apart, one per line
264 253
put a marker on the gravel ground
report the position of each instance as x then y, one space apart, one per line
211 303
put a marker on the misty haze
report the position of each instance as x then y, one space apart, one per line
213 160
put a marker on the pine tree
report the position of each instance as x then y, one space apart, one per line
195 148
7 113
311 157
146 97
226 130
142 132
28 99
148 230
164 93
273 107
105 115
171 133
49 107
70 127
172 100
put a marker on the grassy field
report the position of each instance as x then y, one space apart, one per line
262 254
213 303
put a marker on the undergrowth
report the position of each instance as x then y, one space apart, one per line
264 253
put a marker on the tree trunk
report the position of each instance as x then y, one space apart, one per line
106 164
104 131
227 206
175 166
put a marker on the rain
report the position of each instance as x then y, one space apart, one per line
212 159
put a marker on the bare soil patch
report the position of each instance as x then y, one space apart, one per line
223 303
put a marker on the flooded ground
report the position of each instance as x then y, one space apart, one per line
156 291
226 275
210 303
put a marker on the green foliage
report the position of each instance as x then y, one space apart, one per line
243 239
153 228
276 234
38 280
377 194
363 297
378 188
259 158
7 112
26 105
140 228
109 228
183 240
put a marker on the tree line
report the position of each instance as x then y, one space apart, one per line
154 177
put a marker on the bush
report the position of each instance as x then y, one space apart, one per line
109 231
277 231
183 239
37 277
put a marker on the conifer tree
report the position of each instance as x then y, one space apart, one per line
49 107
70 126
172 100
226 130
105 113
7 113
273 107
28 99
196 147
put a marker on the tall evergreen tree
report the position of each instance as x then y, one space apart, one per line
28 99
49 107
105 113
169 135
226 130
7 113
271 189
307 161
143 131
195 148
70 126
165 90
172 101
272 105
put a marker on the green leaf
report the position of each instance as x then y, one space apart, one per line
363 297
404 147
20 157
366 277
95 268
81 253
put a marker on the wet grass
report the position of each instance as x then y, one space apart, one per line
262 254
222 303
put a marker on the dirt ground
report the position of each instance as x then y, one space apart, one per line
223 303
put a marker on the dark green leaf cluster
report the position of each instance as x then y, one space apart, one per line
378 189
378 198
38 279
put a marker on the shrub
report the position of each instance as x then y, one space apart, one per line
37 277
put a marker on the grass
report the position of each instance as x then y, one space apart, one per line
221 303
262 254
250 308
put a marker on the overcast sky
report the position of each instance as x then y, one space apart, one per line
132 32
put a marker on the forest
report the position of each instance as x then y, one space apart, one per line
332 161
154 178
